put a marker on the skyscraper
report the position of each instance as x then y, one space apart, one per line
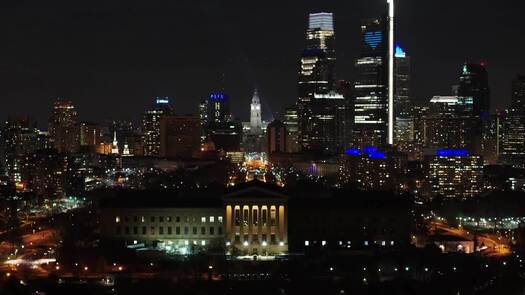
215 108
321 107
403 122
151 125
63 126
292 129
316 81
518 92
255 114
317 73
474 86
370 126
512 149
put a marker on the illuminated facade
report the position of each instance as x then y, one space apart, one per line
256 221
370 124
512 147
19 137
371 169
63 127
403 121
151 125
317 101
453 173
250 219
449 123
179 227
291 123
474 86
255 114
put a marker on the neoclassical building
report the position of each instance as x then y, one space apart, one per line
256 220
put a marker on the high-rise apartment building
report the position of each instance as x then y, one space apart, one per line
151 125
453 173
63 126
512 139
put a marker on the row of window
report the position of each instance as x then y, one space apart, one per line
187 219
348 244
203 230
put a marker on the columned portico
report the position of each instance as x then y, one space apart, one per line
256 220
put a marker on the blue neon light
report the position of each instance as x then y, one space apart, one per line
400 52
371 151
353 152
373 39
376 155
218 96
451 153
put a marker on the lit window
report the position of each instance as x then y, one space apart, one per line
307 243
366 243
203 243
219 219
203 219
117 219
323 243
212 219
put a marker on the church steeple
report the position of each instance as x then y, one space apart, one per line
114 146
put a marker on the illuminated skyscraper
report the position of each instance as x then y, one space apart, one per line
370 126
215 109
512 149
474 86
151 125
316 84
19 137
63 127
403 122
292 129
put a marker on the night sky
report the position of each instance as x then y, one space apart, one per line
113 57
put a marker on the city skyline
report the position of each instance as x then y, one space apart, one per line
90 78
